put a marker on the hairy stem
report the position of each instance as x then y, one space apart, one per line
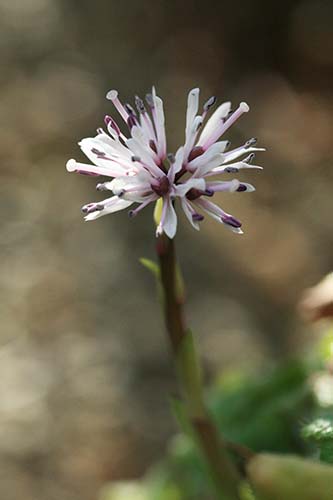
212 447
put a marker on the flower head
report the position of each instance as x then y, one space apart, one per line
142 172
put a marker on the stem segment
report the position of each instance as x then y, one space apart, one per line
222 470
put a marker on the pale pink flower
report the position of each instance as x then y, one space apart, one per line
142 172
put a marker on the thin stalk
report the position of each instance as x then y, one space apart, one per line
212 447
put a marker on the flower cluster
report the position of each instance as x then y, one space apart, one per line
143 172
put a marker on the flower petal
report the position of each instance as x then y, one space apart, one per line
83 168
168 224
142 152
219 114
181 189
192 108
159 120
220 215
176 166
189 212
112 205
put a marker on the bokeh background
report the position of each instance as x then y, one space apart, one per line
84 364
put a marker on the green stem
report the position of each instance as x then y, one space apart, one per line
222 470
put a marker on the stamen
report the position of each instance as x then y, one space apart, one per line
197 217
249 158
231 112
209 103
131 121
71 165
150 101
97 152
231 221
140 105
134 213
250 142
231 170
130 110
92 207
241 188
112 95
171 157
135 158
225 125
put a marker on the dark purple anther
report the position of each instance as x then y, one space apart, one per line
131 213
131 121
135 158
130 110
231 112
209 192
251 142
250 158
231 221
241 188
195 152
171 157
150 100
197 217
209 103
92 207
140 105
153 146
98 152
231 170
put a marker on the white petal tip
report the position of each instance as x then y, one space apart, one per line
112 95
71 165
234 185
244 107
89 217
159 231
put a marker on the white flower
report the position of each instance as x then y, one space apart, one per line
142 172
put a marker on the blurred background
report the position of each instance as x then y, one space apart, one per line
84 363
